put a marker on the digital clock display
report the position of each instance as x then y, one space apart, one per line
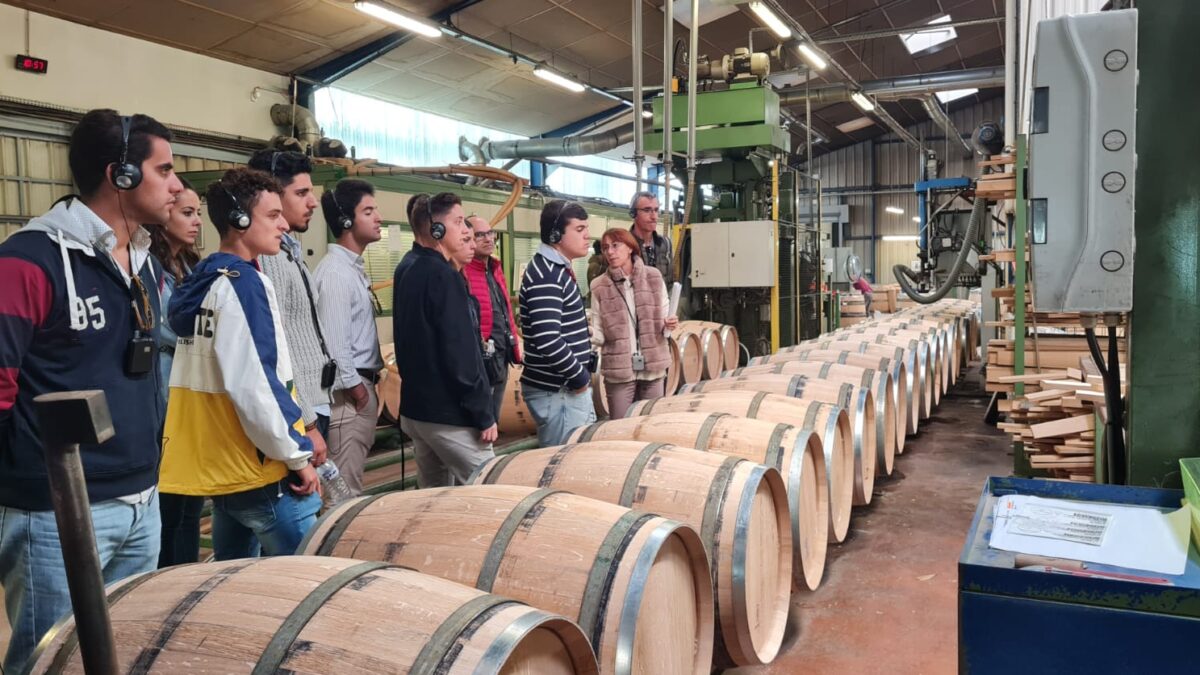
32 64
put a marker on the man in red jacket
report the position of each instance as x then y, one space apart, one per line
485 279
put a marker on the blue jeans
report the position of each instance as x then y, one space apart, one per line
558 413
271 520
35 578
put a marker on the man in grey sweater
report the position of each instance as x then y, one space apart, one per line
296 293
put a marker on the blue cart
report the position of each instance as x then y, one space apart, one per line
1026 621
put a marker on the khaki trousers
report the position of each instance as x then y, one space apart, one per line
621 395
351 435
446 455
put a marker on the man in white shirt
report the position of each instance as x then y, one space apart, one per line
347 313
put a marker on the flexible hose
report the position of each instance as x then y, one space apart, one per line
906 277
1116 411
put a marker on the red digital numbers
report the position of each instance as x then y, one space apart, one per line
31 64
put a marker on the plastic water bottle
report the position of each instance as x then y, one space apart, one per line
333 486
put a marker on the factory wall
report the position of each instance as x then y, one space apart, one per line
94 68
872 175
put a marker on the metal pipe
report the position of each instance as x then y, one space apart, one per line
602 172
897 87
668 123
68 419
693 54
565 146
639 154
1010 72
892 32
939 116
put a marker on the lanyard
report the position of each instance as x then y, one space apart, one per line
637 339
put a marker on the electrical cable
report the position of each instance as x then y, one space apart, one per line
1116 412
906 277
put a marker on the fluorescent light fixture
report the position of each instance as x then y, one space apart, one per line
855 124
895 209
916 219
560 80
811 56
927 38
777 26
954 94
398 18
901 237
862 101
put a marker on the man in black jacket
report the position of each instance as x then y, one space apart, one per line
445 398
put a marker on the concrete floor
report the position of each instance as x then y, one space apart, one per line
888 602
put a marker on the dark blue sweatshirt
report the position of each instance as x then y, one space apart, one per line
59 336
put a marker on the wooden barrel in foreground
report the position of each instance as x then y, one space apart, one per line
889 429
739 508
730 347
913 353
637 584
302 614
858 403
388 388
712 354
828 421
795 452
691 356
514 414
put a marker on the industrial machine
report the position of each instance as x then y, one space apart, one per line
1082 159
744 257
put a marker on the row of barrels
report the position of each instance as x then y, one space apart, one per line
651 544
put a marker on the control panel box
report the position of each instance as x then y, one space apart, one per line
1082 162
738 254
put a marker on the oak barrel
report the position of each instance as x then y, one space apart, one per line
320 615
514 414
638 584
730 347
858 403
914 354
673 377
712 354
795 452
388 388
691 356
889 435
739 508
830 422
844 353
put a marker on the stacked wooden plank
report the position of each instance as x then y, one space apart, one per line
1056 419
1001 183
1058 344
853 309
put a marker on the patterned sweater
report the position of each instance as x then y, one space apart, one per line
557 339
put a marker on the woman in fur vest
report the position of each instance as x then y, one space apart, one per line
630 323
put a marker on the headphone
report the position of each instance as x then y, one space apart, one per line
238 218
633 202
344 222
437 230
125 176
556 230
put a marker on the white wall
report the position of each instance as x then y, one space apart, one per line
93 68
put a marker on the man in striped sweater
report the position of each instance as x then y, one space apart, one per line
558 356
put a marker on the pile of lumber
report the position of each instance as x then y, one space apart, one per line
1056 419
1058 344
886 298
1001 183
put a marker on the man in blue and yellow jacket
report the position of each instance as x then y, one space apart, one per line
234 431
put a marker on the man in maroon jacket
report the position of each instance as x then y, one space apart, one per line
497 327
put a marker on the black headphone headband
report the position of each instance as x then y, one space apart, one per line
239 219
344 222
274 158
556 230
126 176
437 230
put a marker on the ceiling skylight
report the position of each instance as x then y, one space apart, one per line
930 37
954 94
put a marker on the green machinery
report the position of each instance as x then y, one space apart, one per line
745 201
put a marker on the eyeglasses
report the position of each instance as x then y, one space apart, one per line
490 234
647 210
142 314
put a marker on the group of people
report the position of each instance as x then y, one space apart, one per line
266 370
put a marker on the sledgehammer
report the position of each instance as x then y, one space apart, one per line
67 419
